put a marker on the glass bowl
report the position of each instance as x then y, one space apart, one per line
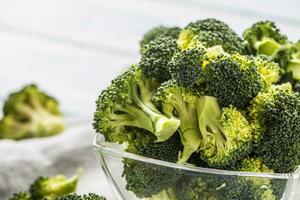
112 158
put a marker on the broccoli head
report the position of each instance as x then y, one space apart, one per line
21 196
159 31
30 113
208 33
275 115
127 103
181 102
49 188
156 56
186 66
73 196
264 37
226 134
195 188
145 179
233 80
294 64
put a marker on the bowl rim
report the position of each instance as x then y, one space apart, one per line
99 143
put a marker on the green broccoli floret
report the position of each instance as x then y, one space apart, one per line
159 31
49 188
145 179
294 64
186 67
275 115
247 187
30 113
90 196
233 80
167 194
182 103
195 188
267 68
264 37
208 33
226 134
156 56
127 103
21 196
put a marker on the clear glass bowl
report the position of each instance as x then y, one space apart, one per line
111 158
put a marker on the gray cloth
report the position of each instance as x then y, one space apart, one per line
23 161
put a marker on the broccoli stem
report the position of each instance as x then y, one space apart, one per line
164 127
267 47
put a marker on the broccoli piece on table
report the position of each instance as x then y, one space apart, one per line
264 37
21 196
49 188
73 196
145 179
30 112
294 63
156 56
226 134
233 80
275 116
182 103
127 103
208 33
159 31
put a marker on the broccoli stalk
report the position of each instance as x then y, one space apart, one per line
167 194
30 113
294 64
49 188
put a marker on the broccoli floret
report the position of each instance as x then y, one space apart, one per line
195 188
21 196
30 113
208 33
167 194
90 196
186 67
226 134
49 188
182 103
159 31
127 103
145 179
247 187
267 68
265 38
234 80
294 64
275 115
156 56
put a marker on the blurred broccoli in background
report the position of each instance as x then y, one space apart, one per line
160 31
21 196
90 196
29 113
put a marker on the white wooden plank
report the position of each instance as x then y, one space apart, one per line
74 75
120 24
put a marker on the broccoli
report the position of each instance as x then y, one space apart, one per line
127 103
90 196
186 67
195 188
208 33
159 31
233 80
49 188
226 134
155 57
275 115
145 179
167 194
181 102
294 64
264 37
21 196
30 113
